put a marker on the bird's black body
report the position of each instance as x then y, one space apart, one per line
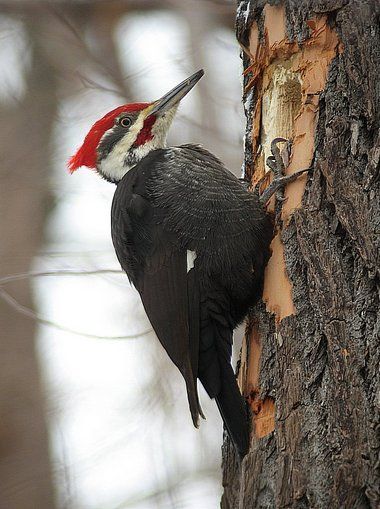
191 238
179 200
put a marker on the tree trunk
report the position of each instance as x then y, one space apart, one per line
25 133
310 360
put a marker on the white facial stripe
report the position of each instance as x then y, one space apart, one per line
114 166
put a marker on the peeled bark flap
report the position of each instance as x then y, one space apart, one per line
319 366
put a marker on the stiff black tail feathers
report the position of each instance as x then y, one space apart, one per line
233 410
217 376
230 402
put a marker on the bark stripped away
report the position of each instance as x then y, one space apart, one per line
310 362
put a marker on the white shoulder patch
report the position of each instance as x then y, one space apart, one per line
191 255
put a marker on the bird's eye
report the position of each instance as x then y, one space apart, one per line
125 121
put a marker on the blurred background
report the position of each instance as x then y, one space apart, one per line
93 415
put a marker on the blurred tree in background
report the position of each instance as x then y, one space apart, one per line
63 64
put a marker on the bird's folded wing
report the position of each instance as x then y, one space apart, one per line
163 287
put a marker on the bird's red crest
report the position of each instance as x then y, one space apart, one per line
86 154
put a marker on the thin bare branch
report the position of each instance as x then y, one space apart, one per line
26 275
6 297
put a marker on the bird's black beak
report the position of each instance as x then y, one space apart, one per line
176 94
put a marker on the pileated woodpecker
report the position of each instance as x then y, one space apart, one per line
192 240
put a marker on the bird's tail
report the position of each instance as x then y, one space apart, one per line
233 410
218 378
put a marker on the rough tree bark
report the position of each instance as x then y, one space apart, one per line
310 361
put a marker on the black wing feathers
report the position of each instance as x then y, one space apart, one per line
163 290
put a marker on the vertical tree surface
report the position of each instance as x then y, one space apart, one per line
310 360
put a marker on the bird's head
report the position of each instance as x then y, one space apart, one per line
120 139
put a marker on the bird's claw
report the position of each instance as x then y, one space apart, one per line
273 145
279 184
281 199
280 180
278 167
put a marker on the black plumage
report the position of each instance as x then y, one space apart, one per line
183 199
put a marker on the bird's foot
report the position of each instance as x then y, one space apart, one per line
280 180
